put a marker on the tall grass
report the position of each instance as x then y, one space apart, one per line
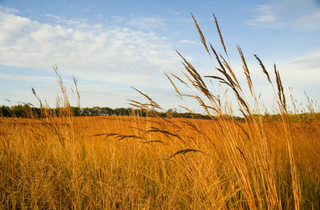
66 162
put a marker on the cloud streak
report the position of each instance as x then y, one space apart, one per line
190 42
24 78
303 71
297 15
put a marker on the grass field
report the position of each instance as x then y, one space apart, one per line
154 162
80 163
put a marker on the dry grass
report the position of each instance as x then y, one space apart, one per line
183 164
133 162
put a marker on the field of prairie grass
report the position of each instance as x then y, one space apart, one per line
154 162
149 163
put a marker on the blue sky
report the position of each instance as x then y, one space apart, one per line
112 45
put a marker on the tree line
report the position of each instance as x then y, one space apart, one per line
29 111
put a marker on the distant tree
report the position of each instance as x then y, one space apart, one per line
130 111
163 114
75 110
173 112
107 111
121 111
95 111
170 111
5 111
140 112
85 111
17 110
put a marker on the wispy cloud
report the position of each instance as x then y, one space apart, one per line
311 21
190 42
119 19
309 62
295 14
26 78
303 71
151 23
8 10
174 12
81 23
146 23
265 14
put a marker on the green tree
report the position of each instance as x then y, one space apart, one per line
5 111
76 111
107 111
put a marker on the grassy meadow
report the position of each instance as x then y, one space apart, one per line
154 162
150 163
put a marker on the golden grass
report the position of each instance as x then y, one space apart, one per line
66 162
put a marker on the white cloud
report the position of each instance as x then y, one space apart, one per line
295 14
118 55
174 12
8 10
25 78
311 21
151 23
190 42
57 18
265 14
119 19
302 71
187 20
88 9
147 23
80 23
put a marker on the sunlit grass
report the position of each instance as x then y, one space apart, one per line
131 162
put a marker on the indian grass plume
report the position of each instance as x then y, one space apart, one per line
263 68
246 71
66 103
228 65
152 103
196 79
281 96
184 152
43 108
175 87
180 79
78 94
220 35
203 40
231 72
